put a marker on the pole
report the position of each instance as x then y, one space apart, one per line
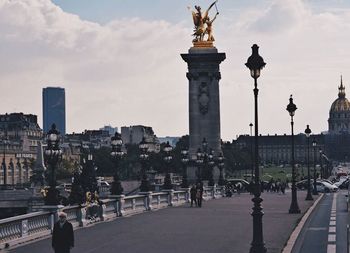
251 150
257 245
294 208
308 196
314 192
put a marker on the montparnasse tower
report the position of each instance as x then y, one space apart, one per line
339 114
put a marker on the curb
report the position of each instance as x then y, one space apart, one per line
293 237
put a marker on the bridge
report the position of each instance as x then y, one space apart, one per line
161 222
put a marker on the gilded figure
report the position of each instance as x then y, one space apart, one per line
202 23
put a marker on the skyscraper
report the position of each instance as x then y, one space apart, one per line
54 109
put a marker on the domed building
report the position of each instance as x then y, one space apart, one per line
339 114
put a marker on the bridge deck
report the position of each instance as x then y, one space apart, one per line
222 225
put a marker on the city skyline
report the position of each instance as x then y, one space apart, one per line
116 74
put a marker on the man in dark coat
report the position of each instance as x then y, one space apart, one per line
193 195
62 236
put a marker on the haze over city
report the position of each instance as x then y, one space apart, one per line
120 62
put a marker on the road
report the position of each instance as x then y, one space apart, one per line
222 225
325 230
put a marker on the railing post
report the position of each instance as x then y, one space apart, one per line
170 197
102 211
214 191
120 205
187 195
147 200
81 215
24 228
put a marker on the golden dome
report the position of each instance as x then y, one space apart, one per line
341 104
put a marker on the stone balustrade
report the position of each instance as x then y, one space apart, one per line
26 227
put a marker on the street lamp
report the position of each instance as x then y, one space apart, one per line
184 160
143 146
88 174
167 158
294 208
314 145
53 155
117 154
321 163
251 151
199 161
211 164
307 133
221 166
255 63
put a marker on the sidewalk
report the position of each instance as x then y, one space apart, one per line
222 225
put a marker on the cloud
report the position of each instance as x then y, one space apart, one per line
129 70
112 73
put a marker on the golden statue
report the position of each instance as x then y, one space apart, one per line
203 25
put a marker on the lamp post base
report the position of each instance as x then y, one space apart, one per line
309 196
294 208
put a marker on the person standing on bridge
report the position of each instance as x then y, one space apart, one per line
193 192
62 235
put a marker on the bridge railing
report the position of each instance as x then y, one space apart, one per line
37 224
15 228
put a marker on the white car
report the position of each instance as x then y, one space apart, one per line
326 187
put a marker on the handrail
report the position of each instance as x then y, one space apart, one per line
33 225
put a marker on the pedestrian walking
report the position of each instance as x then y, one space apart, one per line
62 235
193 193
199 194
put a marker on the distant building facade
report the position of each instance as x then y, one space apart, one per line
277 149
111 130
339 114
54 109
172 140
20 136
134 135
335 143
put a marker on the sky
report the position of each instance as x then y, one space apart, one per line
119 61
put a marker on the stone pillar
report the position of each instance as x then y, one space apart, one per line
119 204
204 102
20 172
147 200
12 169
170 197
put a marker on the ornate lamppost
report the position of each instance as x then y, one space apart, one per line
321 163
294 208
314 145
117 154
199 162
143 146
88 174
53 155
255 63
184 161
167 158
221 166
251 151
307 133
211 164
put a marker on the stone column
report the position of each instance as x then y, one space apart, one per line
204 101
20 172
12 168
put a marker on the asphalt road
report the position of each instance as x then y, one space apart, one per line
325 230
220 226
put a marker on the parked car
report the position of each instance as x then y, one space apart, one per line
342 184
326 187
234 181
